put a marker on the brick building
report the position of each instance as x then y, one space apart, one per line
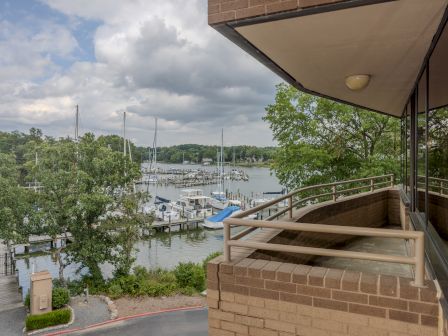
284 275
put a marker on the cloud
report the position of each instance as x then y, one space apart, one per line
153 58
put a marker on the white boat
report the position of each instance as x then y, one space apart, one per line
193 204
219 200
166 212
216 222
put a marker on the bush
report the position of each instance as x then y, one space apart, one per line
190 275
115 291
56 317
208 258
60 297
27 302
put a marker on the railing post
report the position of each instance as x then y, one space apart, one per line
227 257
372 186
392 177
441 187
333 188
419 256
290 207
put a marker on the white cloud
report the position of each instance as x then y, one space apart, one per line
153 58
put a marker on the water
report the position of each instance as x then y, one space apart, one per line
165 250
260 180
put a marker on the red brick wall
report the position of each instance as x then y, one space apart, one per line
259 297
220 11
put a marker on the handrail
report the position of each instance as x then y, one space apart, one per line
438 184
417 260
334 193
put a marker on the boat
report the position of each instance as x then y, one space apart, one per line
216 222
193 204
218 198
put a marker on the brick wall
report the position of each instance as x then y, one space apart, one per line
220 11
259 297
382 207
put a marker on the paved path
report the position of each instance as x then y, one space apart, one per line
93 312
9 293
185 323
12 322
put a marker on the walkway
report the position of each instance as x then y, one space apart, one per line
184 322
389 246
93 312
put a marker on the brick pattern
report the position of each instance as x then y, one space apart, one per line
220 11
381 206
257 297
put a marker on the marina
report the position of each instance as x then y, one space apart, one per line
170 241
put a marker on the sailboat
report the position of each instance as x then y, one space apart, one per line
153 178
218 199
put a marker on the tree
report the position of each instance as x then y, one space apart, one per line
129 227
13 200
322 141
85 186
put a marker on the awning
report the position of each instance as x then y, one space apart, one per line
316 48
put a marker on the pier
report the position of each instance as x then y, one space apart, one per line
10 296
180 224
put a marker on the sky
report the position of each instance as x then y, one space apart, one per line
150 58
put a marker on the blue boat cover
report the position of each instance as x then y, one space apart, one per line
160 200
220 216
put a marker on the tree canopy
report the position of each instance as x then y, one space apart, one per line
323 141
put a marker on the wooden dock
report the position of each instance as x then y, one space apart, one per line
10 296
180 224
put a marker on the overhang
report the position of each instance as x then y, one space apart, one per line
315 47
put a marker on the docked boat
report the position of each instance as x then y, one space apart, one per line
219 200
193 204
216 222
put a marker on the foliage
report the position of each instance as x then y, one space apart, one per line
14 202
27 301
190 275
323 141
56 317
87 191
60 297
208 258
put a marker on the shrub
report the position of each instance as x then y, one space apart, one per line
211 256
190 275
115 291
27 302
60 297
56 317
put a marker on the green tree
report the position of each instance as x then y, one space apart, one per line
14 202
85 186
323 141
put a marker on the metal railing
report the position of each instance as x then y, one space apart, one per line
435 184
7 264
336 189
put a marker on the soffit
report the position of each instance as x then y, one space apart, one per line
388 41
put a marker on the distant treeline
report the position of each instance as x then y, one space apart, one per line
199 153
21 144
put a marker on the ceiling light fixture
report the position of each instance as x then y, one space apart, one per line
357 82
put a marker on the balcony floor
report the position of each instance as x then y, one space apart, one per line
390 246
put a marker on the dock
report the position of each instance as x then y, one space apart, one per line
10 296
180 224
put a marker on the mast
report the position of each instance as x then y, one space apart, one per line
124 133
77 123
155 146
222 160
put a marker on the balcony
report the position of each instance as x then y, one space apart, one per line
341 257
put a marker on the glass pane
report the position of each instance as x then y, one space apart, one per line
438 138
421 146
